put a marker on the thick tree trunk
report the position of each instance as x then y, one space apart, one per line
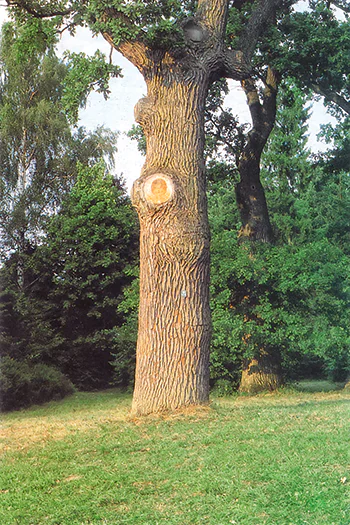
174 319
172 360
251 201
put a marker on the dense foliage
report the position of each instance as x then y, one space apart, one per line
67 315
292 297
69 289
38 149
67 231
22 384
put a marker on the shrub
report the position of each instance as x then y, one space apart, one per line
23 384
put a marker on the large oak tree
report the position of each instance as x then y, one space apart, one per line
180 48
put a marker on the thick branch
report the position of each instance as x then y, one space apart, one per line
213 14
253 100
270 100
263 114
332 96
235 65
263 13
135 52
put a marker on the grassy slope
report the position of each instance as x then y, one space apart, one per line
268 460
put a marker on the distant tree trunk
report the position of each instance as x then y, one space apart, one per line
263 372
249 191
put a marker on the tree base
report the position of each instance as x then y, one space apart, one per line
259 376
190 408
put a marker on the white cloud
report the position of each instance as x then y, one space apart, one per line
3 15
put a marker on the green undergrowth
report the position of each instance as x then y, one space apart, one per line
278 459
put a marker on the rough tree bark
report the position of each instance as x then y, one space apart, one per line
172 361
174 320
263 372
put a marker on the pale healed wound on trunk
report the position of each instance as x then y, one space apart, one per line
156 189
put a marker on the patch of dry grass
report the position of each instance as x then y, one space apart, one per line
44 424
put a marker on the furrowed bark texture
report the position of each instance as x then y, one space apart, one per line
172 360
172 367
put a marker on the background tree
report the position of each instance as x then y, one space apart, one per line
39 154
89 246
296 47
38 150
314 51
69 317
292 297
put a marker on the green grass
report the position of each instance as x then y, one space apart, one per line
278 459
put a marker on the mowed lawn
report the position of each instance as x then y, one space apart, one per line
281 459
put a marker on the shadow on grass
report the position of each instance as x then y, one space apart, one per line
313 386
78 403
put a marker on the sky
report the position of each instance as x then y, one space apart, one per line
117 113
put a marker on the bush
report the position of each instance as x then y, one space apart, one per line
23 384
